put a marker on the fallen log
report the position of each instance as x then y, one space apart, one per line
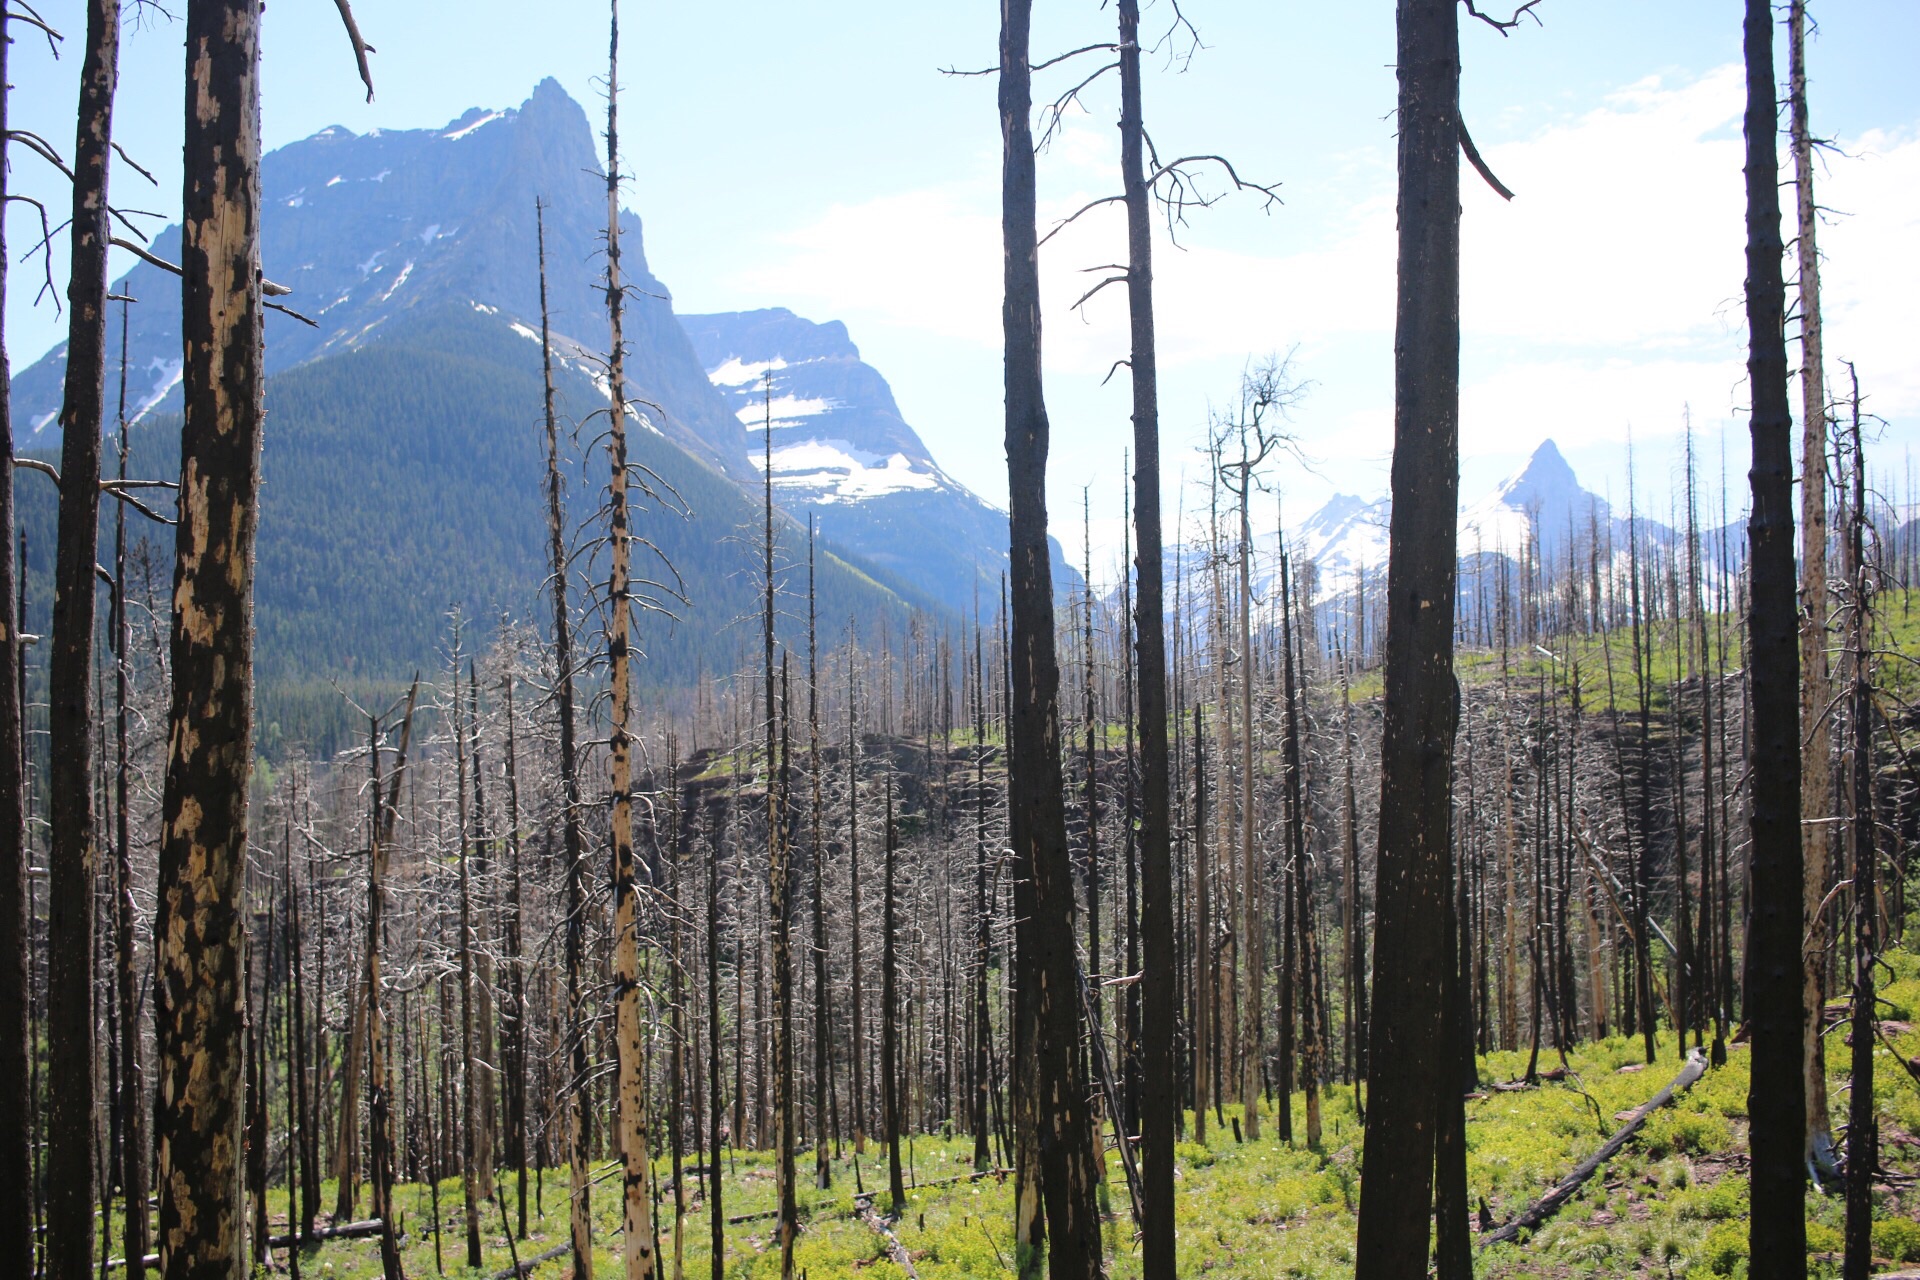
343 1231
526 1265
1561 1192
895 1250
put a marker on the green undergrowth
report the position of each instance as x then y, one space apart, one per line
1672 1204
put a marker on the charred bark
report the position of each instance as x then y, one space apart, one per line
199 932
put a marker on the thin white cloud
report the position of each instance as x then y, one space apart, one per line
1606 297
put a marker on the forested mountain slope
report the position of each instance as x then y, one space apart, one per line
406 477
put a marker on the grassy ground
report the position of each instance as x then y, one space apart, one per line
1673 1204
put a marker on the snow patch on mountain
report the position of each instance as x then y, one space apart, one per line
784 411
735 372
166 376
454 135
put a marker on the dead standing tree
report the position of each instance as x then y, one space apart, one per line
1050 1071
1416 750
572 847
1775 1003
379 1085
1816 760
73 845
199 929
16 1126
639 1246
1267 391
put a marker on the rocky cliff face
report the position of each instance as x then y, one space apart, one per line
842 455
370 230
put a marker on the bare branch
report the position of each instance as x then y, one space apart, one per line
360 46
34 464
1269 190
25 13
1035 66
1506 27
122 153
1097 288
40 147
138 484
285 310
1071 53
45 249
140 506
267 287
1057 111
1062 224
1479 165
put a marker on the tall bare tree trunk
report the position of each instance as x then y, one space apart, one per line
779 888
1050 1073
72 851
891 1109
822 1002
1422 697
1312 1051
1252 899
1775 987
1816 751
580 1225
1863 1121
16 1126
380 1129
200 929
470 1119
1159 1066
135 1111
638 1247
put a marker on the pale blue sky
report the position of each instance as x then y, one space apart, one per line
812 156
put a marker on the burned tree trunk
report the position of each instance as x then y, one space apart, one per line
1816 753
572 847
133 1166
1050 1073
890 1108
1422 709
638 1246
779 887
1775 998
1863 1122
72 849
16 1126
822 1002
379 1092
199 931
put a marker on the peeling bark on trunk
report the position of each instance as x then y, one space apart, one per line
199 932
639 1248
1816 752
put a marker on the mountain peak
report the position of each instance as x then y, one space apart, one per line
1546 473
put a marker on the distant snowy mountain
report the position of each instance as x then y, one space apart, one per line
1543 503
373 231
842 453
1345 540
378 235
1542 511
